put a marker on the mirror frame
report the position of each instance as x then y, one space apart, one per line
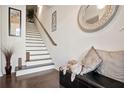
10 8
99 25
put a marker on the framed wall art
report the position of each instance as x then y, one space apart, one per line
14 22
54 21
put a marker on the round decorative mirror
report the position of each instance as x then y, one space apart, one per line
92 18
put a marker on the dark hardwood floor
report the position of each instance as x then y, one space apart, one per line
45 79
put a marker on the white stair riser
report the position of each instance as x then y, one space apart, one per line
39 57
37 33
32 33
32 44
34 70
38 52
33 36
39 38
34 41
38 62
35 48
32 30
30 26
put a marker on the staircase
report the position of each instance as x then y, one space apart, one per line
39 57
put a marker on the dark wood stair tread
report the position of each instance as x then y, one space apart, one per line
34 66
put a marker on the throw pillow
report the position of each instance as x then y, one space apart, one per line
112 65
91 61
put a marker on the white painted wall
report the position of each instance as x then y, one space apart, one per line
9 41
0 43
71 40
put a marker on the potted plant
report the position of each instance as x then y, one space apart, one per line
8 54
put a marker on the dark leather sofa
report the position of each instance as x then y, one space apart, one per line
90 80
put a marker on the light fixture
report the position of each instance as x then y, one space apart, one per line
40 8
39 5
100 6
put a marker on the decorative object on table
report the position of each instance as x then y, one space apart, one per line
19 63
54 21
14 22
92 18
8 54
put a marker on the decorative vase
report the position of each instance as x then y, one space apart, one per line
8 66
8 70
8 54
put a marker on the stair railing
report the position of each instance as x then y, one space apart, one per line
50 38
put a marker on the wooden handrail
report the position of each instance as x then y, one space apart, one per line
52 41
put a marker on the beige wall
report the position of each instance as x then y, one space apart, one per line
9 41
72 41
